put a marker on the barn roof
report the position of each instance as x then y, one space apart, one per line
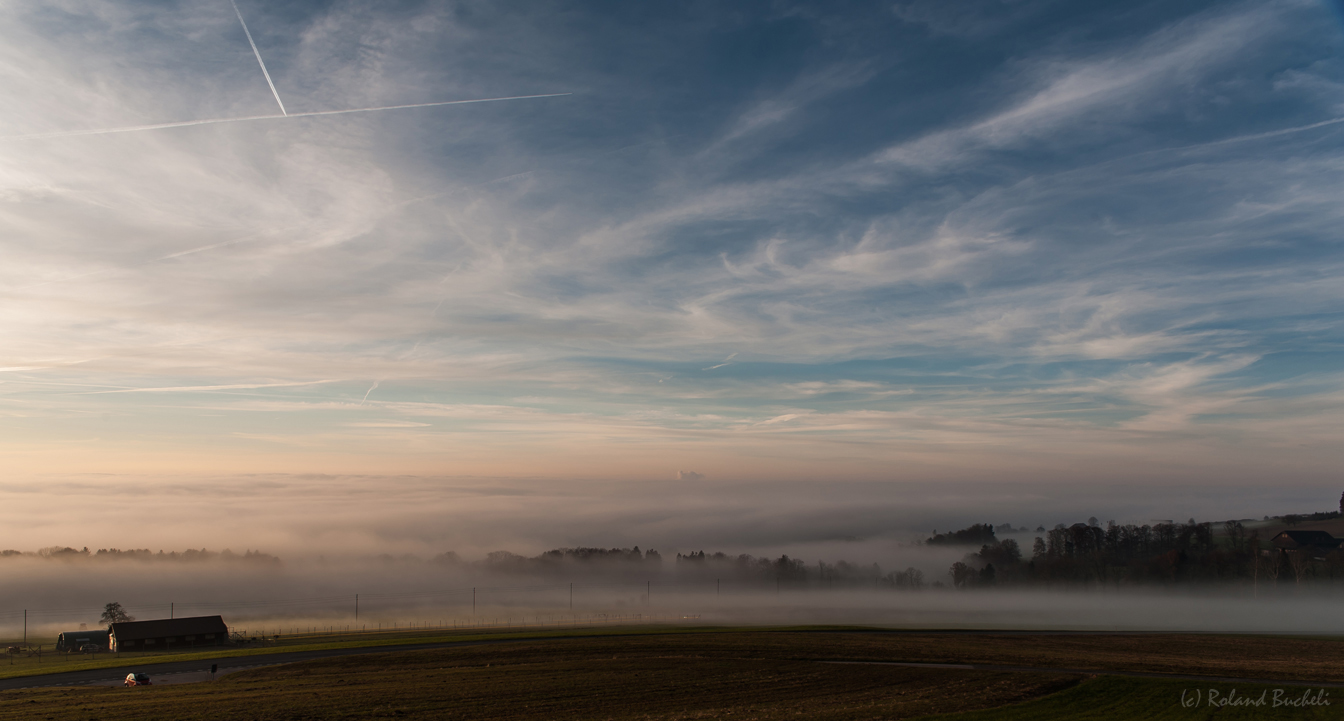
92 634
165 627
1307 538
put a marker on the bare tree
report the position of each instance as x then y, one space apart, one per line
114 613
1300 560
1253 545
1273 564
1236 535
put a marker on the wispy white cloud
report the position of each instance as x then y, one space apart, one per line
1129 83
844 259
387 424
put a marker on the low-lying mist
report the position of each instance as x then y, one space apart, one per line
62 588
429 550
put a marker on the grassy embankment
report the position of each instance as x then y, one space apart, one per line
744 674
52 662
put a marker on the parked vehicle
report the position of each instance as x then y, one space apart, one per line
138 679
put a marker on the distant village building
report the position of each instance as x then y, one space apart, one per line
168 633
1312 543
79 640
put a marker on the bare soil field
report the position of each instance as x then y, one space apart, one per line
1264 657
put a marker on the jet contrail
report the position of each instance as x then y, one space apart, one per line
170 256
726 361
257 52
366 393
211 121
191 389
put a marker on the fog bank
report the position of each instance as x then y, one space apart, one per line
58 595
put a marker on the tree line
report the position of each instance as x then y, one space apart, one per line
191 555
781 572
793 572
1090 555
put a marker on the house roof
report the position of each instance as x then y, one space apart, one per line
165 627
1306 538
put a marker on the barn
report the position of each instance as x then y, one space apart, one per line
167 634
1313 540
76 640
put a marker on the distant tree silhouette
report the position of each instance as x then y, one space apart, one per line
987 575
1087 555
961 574
911 578
114 613
978 534
1004 553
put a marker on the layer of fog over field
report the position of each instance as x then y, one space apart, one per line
295 595
422 565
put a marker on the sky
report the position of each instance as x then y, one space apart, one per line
753 274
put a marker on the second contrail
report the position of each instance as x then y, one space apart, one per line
211 121
257 52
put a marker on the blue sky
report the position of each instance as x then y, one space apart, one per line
825 247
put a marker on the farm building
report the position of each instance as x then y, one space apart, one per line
1316 541
77 640
169 633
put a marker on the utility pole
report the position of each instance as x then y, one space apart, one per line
172 608
356 608
716 587
473 600
571 597
648 593
25 628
